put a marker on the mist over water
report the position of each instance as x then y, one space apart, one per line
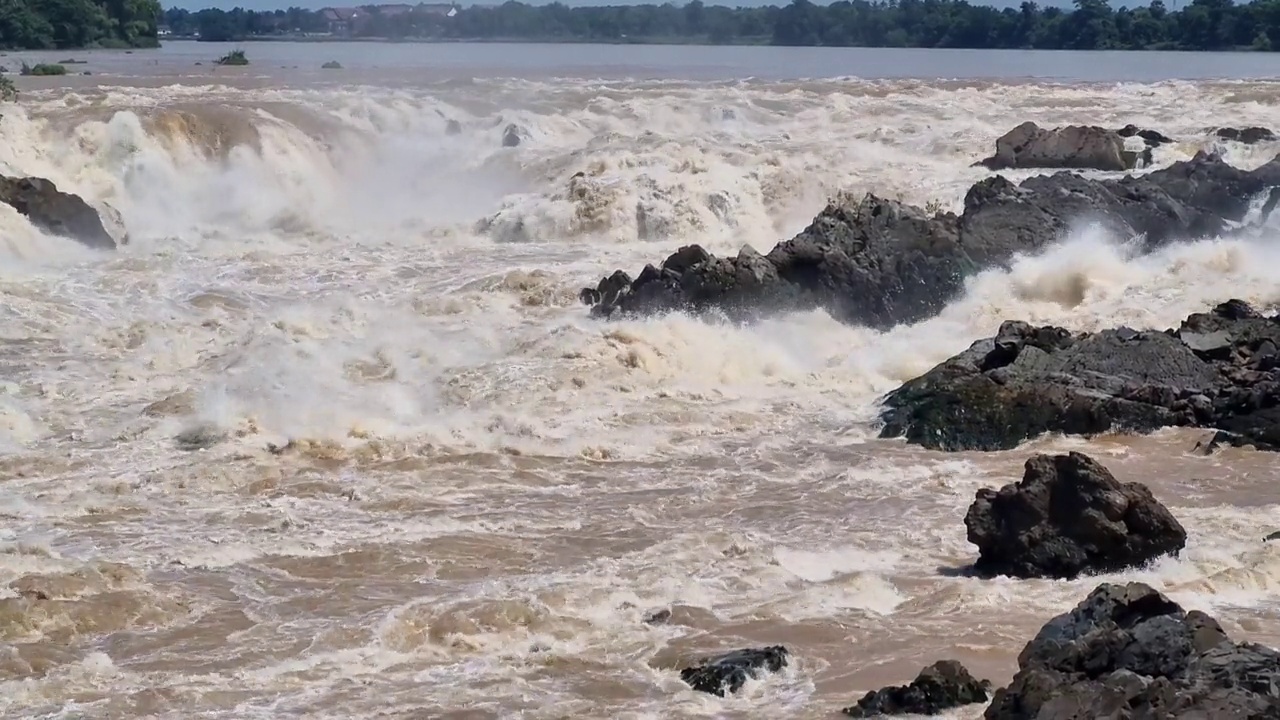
476 492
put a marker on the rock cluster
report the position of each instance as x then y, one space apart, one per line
1219 369
879 263
1128 652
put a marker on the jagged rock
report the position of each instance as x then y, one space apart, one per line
878 262
1127 652
1074 146
1218 370
60 213
1067 516
943 685
453 127
1247 136
729 672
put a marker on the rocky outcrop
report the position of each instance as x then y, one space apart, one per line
1246 136
941 686
1219 369
729 672
1069 516
62 213
1074 146
878 262
1127 652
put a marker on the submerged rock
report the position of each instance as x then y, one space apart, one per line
729 672
943 685
1247 136
1068 515
1127 651
1218 370
879 262
60 213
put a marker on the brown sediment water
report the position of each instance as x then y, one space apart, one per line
332 437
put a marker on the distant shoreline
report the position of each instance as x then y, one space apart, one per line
672 42
743 42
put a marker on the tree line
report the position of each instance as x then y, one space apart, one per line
1090 25
48 24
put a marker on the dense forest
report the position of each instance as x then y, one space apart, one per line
38 24
1090 25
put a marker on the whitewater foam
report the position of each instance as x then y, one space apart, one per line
336 407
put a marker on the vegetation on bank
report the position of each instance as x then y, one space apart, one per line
1091 25
47 24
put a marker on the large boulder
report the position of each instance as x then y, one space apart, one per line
1069 516
943 685
1218 370
879 262
61 213
1074 146
1127 652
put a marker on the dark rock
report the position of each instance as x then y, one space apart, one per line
57 212
1218 370
729 672
1127 652
1247 136
453 127
1069 516
1273 536
1151 137
879 263
513 135
941 686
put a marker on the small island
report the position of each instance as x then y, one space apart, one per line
1091 25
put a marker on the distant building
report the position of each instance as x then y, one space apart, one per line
341 21
439 9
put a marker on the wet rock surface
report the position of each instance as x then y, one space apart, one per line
878 262
1246 136
727 673
1068 516
1219 370
1128 652
62 213
943 685
1073 146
